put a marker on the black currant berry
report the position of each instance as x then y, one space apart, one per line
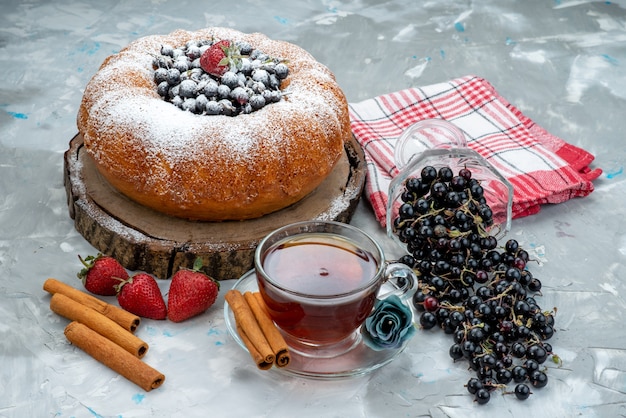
428 320
445 174
504 376
473 385
465 173
522 391
511 246
546 332
428 174
519 374
482 396
455 352
538 379
537 353
534 285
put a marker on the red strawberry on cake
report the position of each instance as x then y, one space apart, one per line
217 58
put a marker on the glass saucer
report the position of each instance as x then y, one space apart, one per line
356 362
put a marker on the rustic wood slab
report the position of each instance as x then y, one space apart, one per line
143 239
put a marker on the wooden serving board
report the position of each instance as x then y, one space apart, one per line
145 240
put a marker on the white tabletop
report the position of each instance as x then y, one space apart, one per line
560 61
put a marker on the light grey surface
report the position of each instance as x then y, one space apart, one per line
561 62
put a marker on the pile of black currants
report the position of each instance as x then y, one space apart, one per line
472 288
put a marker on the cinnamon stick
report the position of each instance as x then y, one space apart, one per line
124 318
113 356
261 351
257 356
74 311
272 334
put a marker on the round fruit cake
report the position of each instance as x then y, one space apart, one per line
214 124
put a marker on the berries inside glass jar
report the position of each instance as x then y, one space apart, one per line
472 288
218 77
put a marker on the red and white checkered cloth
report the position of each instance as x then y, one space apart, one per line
541 167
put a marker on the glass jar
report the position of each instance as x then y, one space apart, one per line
438 143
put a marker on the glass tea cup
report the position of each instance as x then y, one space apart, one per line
439 143
320 280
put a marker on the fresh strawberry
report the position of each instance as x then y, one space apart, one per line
191 293
141 295
101 274
217 58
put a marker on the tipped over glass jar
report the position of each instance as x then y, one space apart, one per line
444 184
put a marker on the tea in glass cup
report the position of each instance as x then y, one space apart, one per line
319 281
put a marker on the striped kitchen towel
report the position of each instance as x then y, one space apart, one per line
541 167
